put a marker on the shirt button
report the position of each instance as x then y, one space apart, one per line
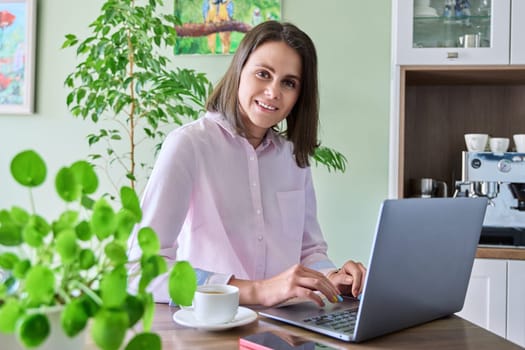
254 184
252 158
260 238
258 211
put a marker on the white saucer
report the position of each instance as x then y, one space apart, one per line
185 317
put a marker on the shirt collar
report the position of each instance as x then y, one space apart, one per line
272 137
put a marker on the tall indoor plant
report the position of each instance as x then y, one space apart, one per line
124 82
77 263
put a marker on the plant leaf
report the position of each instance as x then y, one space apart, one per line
113 287
182 283
130 201
148 241
103 222
67 246
86 259
40 285
86 176
126 221
28 169
135 309
33 330
8 260
150 341
10 312
67 186
109 328
83 231
10 232
73 318
116 252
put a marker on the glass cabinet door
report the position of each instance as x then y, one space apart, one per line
452 31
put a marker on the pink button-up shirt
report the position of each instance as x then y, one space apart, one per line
230 209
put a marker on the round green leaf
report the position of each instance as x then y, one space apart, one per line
83 231
19 216
28 169
126 221
182 283
67 186
33 330
116 252
86 176
86 259
21 268
130 201
73 318
135 309
151 267
10 234
40 224
67 220
10 312
148 241
113 287
32 237
103 221
109 328
8 260
90 305
40 285
67 247
150 341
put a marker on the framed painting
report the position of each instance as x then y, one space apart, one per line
218 26
17 56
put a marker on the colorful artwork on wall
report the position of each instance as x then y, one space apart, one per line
217 26
17 32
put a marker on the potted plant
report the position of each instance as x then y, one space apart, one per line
77 263
124 82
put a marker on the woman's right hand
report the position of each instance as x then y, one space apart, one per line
297 281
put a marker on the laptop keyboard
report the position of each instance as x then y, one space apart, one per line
340 321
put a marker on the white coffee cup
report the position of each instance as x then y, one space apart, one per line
519 141
499 144
476 142
215 303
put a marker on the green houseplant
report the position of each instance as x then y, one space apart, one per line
78 262
124 82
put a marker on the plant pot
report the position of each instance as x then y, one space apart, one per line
57 338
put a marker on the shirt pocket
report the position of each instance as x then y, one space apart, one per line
292 209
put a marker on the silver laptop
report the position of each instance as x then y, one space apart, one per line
419 271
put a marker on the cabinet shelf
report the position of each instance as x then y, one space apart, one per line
451 20
441 104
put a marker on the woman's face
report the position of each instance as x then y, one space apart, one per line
269 86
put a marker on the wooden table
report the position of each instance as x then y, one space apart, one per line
449 333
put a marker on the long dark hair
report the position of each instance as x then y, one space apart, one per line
303 120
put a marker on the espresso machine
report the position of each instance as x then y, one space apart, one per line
500 177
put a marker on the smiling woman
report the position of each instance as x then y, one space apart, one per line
232 192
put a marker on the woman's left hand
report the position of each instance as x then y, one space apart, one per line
350 278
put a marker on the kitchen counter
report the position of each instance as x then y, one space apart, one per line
501 253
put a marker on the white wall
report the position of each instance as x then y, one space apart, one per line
353 42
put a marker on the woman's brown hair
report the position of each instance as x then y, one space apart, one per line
302 122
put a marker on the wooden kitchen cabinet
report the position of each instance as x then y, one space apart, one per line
495 298
434 106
